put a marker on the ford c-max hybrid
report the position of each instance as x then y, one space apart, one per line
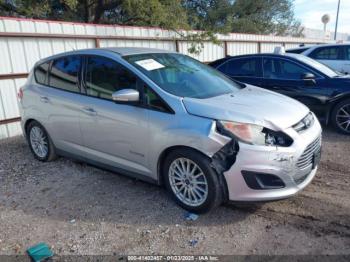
166 118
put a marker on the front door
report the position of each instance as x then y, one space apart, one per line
115 134
286 77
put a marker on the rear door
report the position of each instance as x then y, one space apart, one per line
285 76
115 134
61 103
246 69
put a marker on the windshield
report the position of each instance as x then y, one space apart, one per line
183 76
320 67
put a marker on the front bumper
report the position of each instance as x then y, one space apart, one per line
281 162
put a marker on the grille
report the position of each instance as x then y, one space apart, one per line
305 160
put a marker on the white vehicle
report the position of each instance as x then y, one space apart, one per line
336 56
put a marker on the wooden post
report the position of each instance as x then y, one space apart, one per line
97 42
259 47
177 45
9 120
225 48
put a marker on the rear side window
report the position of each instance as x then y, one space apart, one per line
327 53
65 73
105 76
40 73
241 67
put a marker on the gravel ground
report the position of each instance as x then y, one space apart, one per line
79 209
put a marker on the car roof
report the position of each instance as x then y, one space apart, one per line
256 55
301 47
124 51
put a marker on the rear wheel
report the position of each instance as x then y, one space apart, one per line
191 181
341 117
40 143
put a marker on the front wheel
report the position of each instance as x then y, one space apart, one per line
341 117
191 181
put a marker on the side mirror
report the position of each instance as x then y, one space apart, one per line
126 95
309 79
308 76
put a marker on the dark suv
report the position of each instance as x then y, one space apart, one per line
323 90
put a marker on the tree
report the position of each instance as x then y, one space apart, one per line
243 16
265 17
209 16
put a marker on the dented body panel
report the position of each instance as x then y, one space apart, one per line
278 161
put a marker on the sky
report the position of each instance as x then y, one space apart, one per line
309 12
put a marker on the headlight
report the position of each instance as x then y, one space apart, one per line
254 134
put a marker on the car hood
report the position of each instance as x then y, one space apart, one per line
252 105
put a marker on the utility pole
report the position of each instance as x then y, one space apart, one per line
336 22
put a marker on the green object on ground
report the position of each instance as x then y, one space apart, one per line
39 252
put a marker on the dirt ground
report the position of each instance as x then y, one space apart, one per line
79 209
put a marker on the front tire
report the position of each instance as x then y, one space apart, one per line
191 181
341 117
40 143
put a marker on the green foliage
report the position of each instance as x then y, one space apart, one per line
264 17
209 16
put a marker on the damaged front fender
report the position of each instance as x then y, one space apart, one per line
223 159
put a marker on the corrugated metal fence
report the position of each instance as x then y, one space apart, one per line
25 41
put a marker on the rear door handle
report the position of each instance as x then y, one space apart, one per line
90 111
44 99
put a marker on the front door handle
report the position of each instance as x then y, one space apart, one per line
44 99
90 111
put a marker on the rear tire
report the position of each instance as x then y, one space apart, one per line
340 117
40 142
186 170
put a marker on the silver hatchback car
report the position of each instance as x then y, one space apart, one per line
168 119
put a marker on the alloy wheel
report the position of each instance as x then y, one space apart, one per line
188 182
343 118
38 142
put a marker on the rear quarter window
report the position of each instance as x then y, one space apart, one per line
41 72
241 67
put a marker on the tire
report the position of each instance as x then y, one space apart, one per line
214 195
340 117
46 155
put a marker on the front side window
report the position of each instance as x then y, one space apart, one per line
153 101
182 76
326 53
241 67
282 69
65 73
40 73
105 76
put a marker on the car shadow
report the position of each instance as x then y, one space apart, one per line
330 134
66 190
